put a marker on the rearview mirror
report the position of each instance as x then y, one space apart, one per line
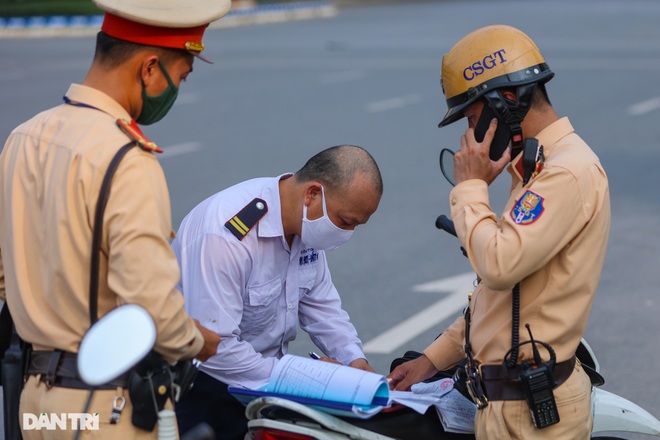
447 165
115 343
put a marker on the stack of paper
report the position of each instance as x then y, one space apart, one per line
456 413
333 388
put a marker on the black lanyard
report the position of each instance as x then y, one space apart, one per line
98 228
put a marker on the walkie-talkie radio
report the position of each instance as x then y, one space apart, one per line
538 382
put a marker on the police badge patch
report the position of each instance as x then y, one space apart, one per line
528 209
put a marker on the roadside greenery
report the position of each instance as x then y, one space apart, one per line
23 8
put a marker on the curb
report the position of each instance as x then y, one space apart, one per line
75 26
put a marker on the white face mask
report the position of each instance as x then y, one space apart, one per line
322 234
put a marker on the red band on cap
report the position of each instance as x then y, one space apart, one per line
127 30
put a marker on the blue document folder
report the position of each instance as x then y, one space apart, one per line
246 395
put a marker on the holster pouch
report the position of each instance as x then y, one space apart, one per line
149 386
460 381
6 330
184 373
14 353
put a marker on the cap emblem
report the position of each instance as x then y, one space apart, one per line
194 47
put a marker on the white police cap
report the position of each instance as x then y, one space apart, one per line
177 24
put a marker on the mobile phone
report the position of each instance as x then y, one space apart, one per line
502 134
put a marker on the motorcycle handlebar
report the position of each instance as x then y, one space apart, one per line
446 224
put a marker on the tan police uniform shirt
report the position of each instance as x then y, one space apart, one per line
552 237
51 170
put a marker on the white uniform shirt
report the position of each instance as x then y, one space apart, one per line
252 292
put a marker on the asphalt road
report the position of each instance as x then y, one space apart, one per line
279 93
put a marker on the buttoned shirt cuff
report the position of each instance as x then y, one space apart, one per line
468 192
348 354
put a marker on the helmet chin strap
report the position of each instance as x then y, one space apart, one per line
511 112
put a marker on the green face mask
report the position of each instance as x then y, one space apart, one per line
154 108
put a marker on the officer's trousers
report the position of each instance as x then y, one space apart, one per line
504 420
41 406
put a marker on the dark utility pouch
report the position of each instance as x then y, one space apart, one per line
149 385
460 381
185 372
6 330
14 354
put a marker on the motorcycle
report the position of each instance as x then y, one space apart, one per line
276 418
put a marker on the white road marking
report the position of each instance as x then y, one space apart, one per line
393 103
644 107
457 288
178 149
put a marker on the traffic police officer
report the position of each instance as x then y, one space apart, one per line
51 170
546 249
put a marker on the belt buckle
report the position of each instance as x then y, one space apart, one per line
474 386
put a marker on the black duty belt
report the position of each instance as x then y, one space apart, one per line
60 368
501 383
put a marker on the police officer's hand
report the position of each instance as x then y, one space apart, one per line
472 161
361 364
211 341
409 373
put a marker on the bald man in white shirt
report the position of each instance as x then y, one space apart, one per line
253 266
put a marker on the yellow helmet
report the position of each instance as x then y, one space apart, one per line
486 59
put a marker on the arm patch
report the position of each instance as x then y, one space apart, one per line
527 209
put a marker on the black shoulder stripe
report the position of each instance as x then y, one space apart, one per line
247 218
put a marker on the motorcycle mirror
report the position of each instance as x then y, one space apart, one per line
115 343
447 165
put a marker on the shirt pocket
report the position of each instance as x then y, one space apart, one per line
264 294
260 309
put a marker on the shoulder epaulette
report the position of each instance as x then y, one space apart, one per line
133 131
247 218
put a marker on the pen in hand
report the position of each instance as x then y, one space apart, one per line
314 355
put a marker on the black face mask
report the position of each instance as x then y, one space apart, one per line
502 133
